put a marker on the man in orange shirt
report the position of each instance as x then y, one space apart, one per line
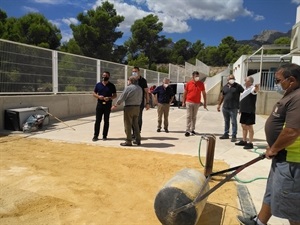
192 101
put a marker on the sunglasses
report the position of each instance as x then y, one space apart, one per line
277 81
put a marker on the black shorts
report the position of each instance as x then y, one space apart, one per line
247 118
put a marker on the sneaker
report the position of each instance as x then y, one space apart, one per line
248 146
241 143
187 134
224 136
104 138
166 130
233 138
95 139
193 132
247 221
158 130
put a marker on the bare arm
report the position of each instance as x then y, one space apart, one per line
98 96
147 98
204 99
256 88
146 94
220 102
114 95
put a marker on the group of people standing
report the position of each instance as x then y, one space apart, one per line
237 99
282 128
136 93
133 97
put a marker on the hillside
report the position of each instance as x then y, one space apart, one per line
266 37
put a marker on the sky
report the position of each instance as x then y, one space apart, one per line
206 20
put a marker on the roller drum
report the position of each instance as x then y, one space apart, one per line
180 190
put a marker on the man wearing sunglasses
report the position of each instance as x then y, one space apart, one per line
282 128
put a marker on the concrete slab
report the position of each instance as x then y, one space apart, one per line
174 142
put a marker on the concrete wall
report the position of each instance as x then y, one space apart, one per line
264 104
213 95
266 101
71 105
61 106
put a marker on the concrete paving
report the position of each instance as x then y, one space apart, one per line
80 130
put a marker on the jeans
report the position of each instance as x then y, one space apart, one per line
230 114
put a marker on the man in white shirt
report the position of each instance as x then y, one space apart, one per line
247 110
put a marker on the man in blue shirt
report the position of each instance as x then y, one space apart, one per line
105 92
164 95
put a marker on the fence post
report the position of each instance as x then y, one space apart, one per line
177 74
54 72
98 70
158 78
125 76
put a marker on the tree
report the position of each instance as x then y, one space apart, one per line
181 52
141 61
197 47
96 33
119 53
284 41
146 39
72 47
3 17
33 29
242 50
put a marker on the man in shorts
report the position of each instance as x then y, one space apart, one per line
282 128
247 110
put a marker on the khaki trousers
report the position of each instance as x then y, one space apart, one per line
131 118
163 109
191 115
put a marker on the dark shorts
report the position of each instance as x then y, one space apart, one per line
247 118
283 190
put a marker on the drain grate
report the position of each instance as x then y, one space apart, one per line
246 202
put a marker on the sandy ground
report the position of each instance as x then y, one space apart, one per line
51 182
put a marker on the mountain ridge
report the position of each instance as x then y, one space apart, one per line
266 37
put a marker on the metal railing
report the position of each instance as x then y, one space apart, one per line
266 79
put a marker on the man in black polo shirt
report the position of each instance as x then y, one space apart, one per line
142 82
105 92
164 95
230 97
